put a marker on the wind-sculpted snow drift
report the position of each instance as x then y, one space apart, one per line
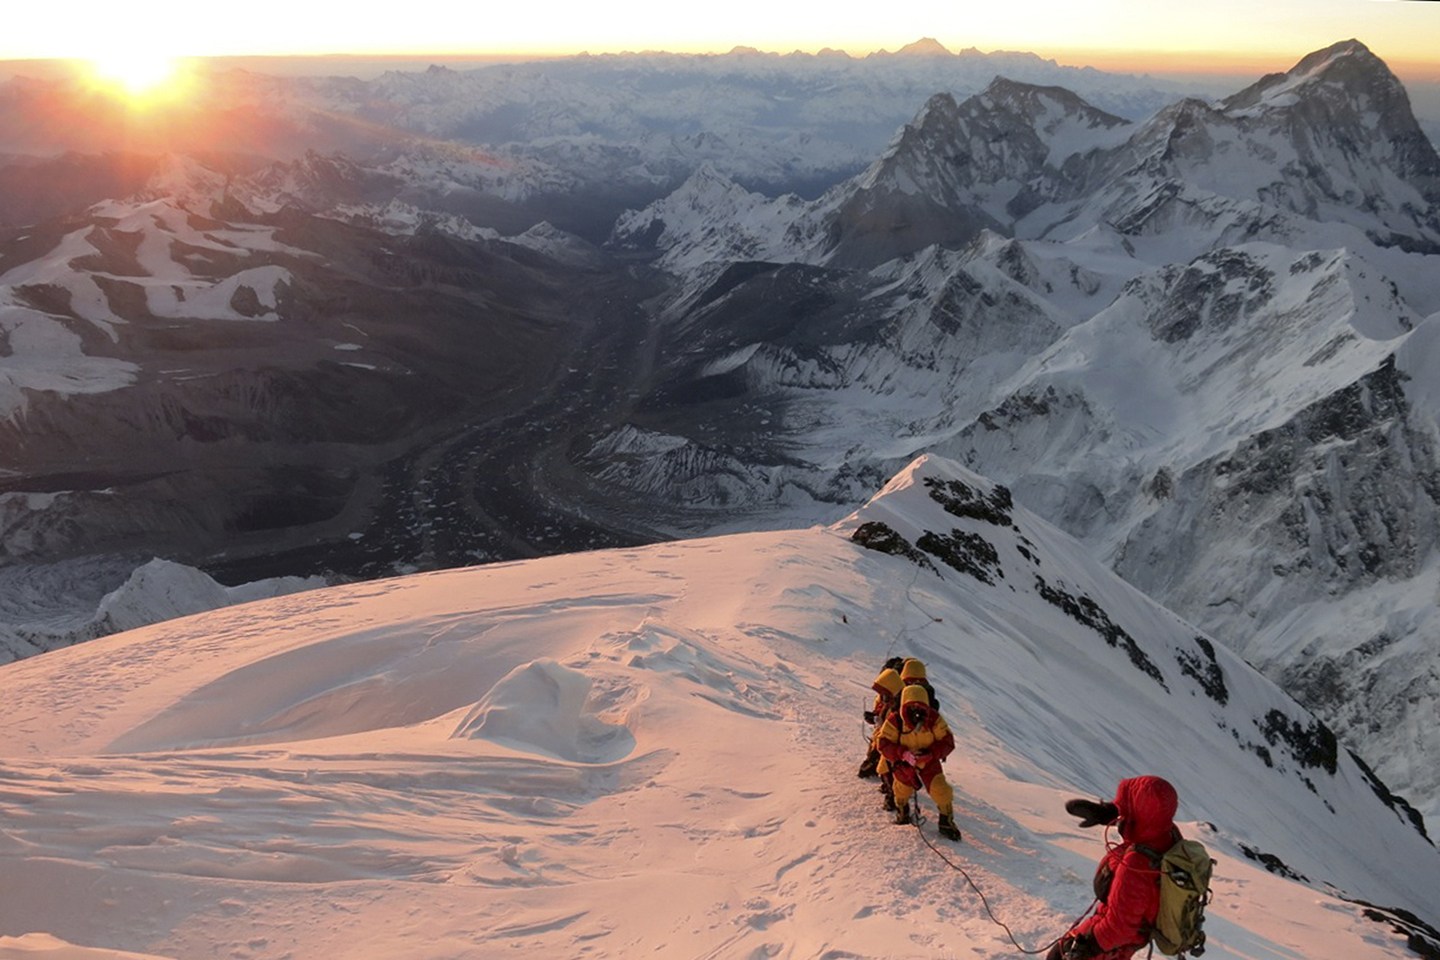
652 750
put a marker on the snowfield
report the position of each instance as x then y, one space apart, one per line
652 751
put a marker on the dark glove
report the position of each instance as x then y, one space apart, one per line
869 716
1082 947
1092 812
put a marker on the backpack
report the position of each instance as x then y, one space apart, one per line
1184 892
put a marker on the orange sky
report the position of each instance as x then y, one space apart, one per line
1231 36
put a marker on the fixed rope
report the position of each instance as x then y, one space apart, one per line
890 650
917 819
895 638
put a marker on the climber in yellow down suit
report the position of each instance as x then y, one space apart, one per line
914 740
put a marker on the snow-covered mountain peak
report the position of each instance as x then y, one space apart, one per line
936 120
1348 64
1332 141
707 181
1349 72
965 529
1036 116
1350 101
710 218
1040 103
1064 122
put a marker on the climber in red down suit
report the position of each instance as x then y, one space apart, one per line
1126 882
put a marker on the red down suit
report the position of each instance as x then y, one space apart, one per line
1121 923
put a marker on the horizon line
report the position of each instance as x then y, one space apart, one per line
1124 60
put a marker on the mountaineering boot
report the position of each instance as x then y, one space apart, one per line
947 828
902 814
867 766
889 796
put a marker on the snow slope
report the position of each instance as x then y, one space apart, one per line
652 750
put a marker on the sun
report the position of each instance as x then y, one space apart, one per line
136 75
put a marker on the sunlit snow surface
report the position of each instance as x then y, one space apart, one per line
652 751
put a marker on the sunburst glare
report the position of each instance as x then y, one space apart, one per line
139 76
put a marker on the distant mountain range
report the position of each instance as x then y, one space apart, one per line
1195 336
572 140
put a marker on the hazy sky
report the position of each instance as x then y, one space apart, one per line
1270 32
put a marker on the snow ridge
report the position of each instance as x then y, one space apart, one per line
531 755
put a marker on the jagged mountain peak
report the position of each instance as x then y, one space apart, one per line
939 113
1022 128
962 167
1332 140
1030 99
1348 97
1064 122
707 177
711 218
1348 65
1346 57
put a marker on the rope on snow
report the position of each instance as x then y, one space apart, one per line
916 819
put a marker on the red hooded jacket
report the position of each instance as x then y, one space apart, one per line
1121 924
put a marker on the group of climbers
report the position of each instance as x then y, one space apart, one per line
910 742
1145 889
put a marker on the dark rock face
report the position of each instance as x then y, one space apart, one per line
1342 499
1205 670
1356 529
1211 292
967 552
1323 491
1085 611
877 536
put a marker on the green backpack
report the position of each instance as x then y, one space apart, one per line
1184 892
